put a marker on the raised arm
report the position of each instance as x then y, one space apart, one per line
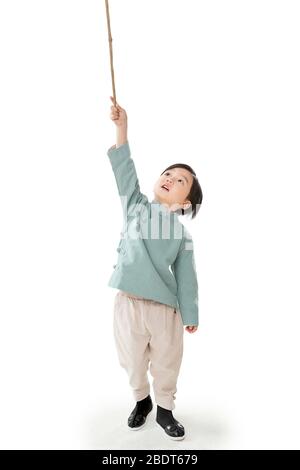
119 117
122 164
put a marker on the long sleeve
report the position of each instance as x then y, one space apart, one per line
126 177
185 273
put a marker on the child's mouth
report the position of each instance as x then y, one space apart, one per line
166 189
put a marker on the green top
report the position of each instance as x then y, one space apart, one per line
156 257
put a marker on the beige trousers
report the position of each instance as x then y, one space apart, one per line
146 332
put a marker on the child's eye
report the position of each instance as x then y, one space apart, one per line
167 173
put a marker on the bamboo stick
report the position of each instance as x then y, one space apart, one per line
110 52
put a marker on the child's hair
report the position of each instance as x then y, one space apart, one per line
195 195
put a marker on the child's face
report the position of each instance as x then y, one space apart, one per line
179 182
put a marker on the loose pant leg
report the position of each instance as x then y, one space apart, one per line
132 342
166 351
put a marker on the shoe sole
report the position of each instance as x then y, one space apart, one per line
137 428
174 438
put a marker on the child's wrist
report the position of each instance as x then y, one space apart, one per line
121 135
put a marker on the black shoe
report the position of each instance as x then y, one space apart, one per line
137 418
171 426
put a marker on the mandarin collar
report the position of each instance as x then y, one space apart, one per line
163 210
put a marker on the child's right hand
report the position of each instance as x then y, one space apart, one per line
191 329
118 115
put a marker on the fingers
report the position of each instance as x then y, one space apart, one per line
117 113
191 329
117 106
114 116
115 110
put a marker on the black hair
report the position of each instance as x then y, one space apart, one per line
195 195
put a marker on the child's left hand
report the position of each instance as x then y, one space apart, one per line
191 329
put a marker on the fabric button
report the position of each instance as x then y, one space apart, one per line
118 249
114 266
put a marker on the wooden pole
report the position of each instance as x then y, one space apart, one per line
110 52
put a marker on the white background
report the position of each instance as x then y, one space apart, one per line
214 84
